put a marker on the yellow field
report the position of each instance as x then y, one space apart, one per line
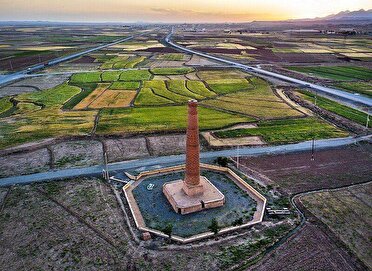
44 48
91 97
113 98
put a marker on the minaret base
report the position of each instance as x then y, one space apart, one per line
182 203
193 190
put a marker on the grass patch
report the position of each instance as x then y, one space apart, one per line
125 85
168 118
287 130
135 75
339 109
87 77
171 71
337 72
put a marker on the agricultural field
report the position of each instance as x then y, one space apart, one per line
296 172
332 106
286 131
22 47
167 118
258 100
347 212
360 87
346 73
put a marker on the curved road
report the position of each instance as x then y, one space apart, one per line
359 99
176 159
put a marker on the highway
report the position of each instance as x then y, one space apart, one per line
178 159
5 79
359 99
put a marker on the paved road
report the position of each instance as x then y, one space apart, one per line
176 159
359 99
4 79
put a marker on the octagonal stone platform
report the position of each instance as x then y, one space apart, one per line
181 203
149 222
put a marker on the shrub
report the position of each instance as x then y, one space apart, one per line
214 227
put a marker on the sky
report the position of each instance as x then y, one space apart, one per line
173 11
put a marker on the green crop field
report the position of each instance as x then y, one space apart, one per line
364 88
287 130
337 72
171 71
125 85
159 88
31 121
173 57
221 74
168 118
179 87
198 87
135 75
224 86
110 76
109 61
147 97
259 102
339 109
87 77
128 63
5 105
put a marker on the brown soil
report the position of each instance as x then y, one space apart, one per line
296 173
310 249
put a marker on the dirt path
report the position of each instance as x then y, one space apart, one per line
303 110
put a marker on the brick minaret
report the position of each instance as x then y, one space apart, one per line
192 184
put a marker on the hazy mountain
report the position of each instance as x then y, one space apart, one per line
350 15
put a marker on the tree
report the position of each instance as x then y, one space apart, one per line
214 227
168 229
222 161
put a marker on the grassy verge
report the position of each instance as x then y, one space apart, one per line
337 72
364 88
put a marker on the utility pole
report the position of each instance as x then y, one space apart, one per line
107 175
367 123
237 157
312 129
11 65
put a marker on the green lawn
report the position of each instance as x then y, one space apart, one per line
135 75
287 130
171 71
337 72
125 85
87 77
339 109
364 88
168 118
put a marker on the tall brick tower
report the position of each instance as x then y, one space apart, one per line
195 192
192 185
